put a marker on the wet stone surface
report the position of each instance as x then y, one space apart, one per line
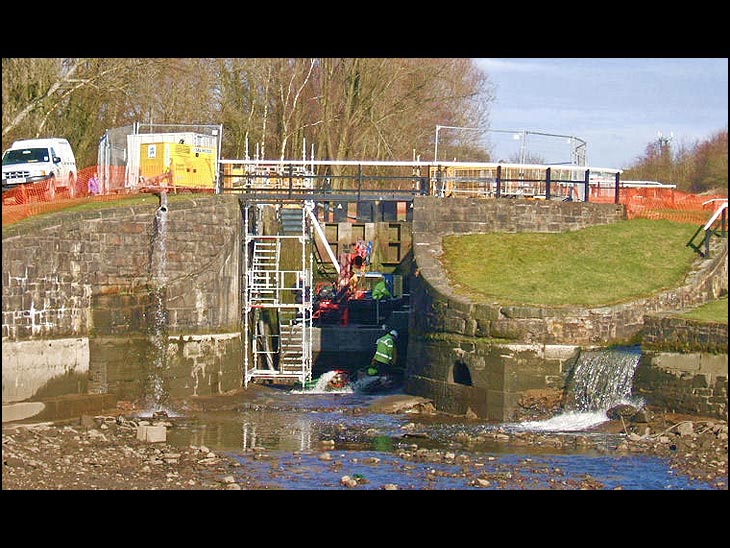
388 443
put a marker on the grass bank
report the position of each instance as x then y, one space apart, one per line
711 312
91 203
596 266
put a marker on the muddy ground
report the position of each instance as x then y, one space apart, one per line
104 452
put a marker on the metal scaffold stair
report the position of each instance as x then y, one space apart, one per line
291 345
263 272
277 305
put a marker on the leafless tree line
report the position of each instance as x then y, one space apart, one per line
694 167
282 108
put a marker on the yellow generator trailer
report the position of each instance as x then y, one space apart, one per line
178 165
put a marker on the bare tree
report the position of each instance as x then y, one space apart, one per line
69 98
342 107
387 108
291 117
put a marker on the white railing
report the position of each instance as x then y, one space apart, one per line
718 211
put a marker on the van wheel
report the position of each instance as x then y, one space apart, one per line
71 186
51 189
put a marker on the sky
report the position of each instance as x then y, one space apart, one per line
616 105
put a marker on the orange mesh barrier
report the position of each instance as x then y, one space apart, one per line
35 198
663 203
31 199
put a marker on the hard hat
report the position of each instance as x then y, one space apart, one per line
394 333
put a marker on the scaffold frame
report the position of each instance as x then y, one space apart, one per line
277 348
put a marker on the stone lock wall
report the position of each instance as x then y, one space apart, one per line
440 316
471 374
683 366
89 279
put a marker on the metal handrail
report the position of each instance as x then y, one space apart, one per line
709 231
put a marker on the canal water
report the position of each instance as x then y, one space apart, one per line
315 439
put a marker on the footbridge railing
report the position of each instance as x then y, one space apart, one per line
710 228
400 181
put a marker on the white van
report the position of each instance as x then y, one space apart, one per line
34 160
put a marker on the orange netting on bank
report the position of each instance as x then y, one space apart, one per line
663 203
27 200
30 199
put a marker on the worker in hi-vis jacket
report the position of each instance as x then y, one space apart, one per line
385 355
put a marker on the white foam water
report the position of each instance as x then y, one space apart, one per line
601 379
159 412
322 386
571 421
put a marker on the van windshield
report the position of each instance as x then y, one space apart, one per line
25 156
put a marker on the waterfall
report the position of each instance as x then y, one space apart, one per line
599 380
156 395
603 378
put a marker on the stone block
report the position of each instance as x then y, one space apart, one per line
152 434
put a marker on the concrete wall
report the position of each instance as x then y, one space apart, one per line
677 334
80 293
83 289
440 316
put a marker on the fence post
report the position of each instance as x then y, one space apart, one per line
586 185
499 182
359 180
616 188
722 222
547 184
291 182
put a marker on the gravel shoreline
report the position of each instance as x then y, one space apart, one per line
105 453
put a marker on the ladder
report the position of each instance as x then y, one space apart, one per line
262 275
277 301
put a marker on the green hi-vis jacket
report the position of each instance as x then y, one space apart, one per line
385 349
380 291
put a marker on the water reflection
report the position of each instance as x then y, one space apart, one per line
310 441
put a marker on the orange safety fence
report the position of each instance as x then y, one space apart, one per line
663 203
31 199
27 200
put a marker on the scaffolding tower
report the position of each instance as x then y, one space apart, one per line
278 296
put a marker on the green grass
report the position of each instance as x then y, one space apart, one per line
715 311
95 204
130 200
596 266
